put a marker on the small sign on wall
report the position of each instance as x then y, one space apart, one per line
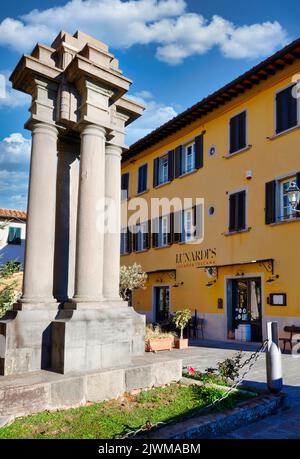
277 299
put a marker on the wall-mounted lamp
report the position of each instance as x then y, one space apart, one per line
272 278
178 284
293 193
210 283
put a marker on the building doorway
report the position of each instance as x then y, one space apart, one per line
161 305
244 305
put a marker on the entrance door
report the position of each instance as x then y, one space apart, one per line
161 303
246 305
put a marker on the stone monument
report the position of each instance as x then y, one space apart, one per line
70 316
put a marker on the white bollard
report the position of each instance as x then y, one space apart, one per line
273 359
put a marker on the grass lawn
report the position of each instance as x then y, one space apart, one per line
114 418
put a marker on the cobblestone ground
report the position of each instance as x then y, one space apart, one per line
284 424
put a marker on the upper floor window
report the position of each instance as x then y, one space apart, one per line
125 185
163 171
161 231
286 110
14 235
141 237
188 228
278 207
237 128
237 211
142 178
125 237
188 158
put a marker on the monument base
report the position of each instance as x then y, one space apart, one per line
43 390
25 339
92 339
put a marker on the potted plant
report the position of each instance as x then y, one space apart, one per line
156 340
181 318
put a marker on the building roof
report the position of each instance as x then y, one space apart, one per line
13 214
246 81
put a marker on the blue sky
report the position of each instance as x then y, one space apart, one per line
176 51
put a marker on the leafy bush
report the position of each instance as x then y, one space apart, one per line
227 369
8 296
9 268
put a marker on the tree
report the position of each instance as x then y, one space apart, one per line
131 278
181 319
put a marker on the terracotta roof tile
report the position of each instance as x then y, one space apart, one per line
11 213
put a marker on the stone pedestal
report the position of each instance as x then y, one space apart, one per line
93 339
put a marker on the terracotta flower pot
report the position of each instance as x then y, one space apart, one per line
181 343
159 344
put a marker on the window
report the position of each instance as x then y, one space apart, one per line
188 158
188 225
163 169
141 237
125 185
286 211
142 179
237 132
124 241
163 233
286 110
277 207
163 175
237 211
14 236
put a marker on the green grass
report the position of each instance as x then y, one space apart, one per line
113 419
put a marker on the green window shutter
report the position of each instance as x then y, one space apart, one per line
270 202
178 161
171 165
155 171
199 151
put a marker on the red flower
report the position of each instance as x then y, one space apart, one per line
191 371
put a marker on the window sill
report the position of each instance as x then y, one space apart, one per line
187 173
287 131
231 233
282 222
140 251
143 192
238 152
124 254
162 184
162 247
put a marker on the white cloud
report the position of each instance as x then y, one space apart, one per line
176 32
155 115
14 149
9 96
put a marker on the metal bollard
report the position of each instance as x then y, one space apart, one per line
273 359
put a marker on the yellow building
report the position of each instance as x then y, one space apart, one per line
239 150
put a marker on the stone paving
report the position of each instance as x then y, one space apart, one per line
284 424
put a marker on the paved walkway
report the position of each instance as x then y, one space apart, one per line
286 422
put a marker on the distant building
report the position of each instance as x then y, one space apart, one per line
12 235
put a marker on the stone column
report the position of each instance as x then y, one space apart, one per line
111 271
39 254
90 221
